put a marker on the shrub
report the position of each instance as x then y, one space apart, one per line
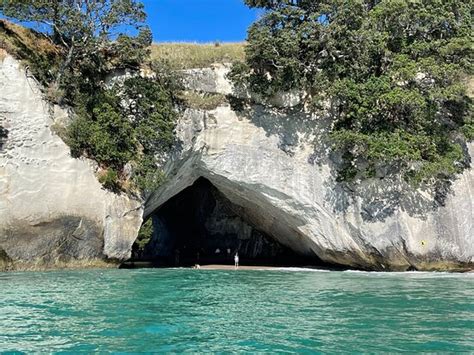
133 122
110 180
203 101
145 234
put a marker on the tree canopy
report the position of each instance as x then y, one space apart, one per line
90 32
393 73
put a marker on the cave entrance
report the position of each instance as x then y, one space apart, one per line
201 226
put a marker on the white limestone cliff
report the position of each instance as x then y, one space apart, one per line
274 165
53 211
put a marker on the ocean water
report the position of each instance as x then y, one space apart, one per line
174 310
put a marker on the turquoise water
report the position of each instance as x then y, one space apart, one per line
166 310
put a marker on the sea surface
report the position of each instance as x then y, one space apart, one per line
286 310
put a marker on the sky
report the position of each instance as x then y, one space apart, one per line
199 20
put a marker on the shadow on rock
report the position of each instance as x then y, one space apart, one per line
3 136
375 199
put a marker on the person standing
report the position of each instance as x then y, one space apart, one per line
236 260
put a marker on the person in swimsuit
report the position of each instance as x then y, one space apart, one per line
236 260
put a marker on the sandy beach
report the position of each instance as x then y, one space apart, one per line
232 267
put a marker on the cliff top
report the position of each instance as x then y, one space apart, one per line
194 55
25 43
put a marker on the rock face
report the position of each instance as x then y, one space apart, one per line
276 167
53 211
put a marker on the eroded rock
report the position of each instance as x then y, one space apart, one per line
53 211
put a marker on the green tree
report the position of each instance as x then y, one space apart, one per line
105 134
131 123
91 33
393 72
126 127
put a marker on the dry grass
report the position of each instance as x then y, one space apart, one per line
202 101
3 54
32 48
60 130
20 41
193 55
470 86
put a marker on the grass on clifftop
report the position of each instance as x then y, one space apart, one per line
193 55
17 40
29 46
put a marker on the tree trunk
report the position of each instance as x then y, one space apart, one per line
64 66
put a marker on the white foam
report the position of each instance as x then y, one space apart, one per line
430 274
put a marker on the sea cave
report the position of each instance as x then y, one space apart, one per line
200 226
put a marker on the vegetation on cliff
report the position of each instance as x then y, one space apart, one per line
392 73
123 126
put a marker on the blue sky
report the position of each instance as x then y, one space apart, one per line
199 20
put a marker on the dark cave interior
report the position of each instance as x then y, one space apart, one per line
201 226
